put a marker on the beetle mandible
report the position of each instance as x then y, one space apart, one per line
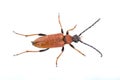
58 40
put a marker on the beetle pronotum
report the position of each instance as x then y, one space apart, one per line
58 40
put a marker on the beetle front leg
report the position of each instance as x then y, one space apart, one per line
26 35
59 55
77 50
70 30
31 51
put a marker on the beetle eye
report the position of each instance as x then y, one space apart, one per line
32 42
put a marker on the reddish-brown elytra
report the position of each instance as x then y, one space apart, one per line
58 40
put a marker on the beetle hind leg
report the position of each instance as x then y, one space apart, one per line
30 51
26 35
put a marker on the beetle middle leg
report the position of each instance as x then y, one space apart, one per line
31 51
77 50
26 35
59 55
60 24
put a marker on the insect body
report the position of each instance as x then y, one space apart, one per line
51 41
58 40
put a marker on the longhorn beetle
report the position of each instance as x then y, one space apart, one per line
57 40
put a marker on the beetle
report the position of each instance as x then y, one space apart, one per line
57 40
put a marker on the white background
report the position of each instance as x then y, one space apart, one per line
40 16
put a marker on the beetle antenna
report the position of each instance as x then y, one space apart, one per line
88 44
92 47
89 27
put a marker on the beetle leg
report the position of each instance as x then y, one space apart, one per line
70 30
31 51
77 50
60 24
30 34
59 55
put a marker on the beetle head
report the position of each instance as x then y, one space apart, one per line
76 38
